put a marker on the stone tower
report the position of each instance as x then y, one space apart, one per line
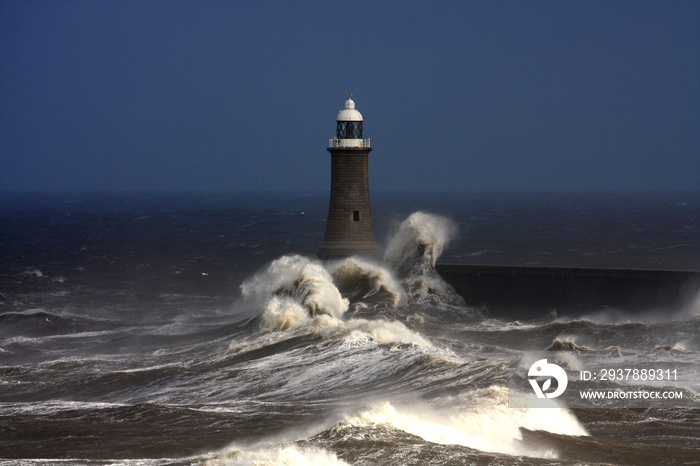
349 229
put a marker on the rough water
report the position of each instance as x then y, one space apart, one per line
196 329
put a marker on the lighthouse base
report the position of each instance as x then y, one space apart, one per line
341 249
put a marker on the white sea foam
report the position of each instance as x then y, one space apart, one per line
490 425
280 455
384 331
54 406
282 315
33 272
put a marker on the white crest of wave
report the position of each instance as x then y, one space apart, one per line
421 235
382 331
292 289
488 426
281 455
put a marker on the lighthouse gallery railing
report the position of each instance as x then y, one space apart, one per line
335 142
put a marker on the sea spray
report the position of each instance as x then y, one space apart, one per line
419 242
413 252
692 308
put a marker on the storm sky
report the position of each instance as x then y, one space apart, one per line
456 95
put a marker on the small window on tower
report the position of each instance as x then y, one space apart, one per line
356 215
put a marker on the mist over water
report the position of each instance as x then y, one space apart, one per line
218 344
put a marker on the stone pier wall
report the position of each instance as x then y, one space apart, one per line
515 291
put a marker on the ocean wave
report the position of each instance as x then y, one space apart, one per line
489 425
577 335
353 361
291 289
381 331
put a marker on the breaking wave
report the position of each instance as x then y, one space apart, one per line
298 291
490 425
293 290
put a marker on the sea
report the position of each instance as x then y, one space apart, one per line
200 328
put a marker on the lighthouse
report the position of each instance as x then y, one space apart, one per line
349 229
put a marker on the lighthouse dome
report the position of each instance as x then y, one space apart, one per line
349 113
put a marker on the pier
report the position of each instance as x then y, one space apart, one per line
523 291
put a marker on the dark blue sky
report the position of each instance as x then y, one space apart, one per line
456 95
